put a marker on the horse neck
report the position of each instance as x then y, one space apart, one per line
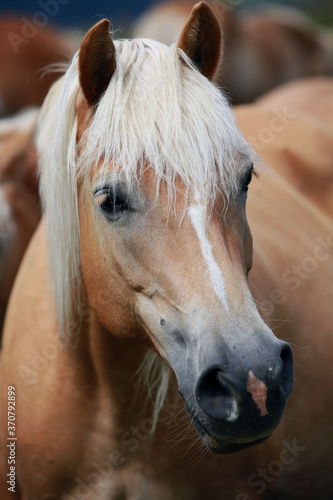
117 363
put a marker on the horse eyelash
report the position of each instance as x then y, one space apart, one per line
255 172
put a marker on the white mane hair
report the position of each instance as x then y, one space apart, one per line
158 110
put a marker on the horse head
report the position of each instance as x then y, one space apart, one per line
158 173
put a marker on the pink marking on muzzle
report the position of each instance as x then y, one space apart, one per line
258 391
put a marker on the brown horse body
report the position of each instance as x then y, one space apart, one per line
19 201
82 429
26 50
264 47
292 277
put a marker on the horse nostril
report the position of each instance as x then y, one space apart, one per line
287 370
215 395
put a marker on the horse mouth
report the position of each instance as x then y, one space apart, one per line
216 444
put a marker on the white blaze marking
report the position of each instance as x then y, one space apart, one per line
196 213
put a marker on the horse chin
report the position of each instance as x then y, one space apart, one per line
223 447
218 445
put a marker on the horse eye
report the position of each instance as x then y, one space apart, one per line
248 180
112 204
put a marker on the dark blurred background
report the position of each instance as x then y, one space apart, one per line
75 13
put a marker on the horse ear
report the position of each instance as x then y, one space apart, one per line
201 39
97 61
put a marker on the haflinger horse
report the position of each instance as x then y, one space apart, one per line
290 212
265 46
148 331
20 209
25 51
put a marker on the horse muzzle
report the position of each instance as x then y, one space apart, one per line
239 403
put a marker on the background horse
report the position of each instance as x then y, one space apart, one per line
290 216
19 201
25 52
264 46
110 447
